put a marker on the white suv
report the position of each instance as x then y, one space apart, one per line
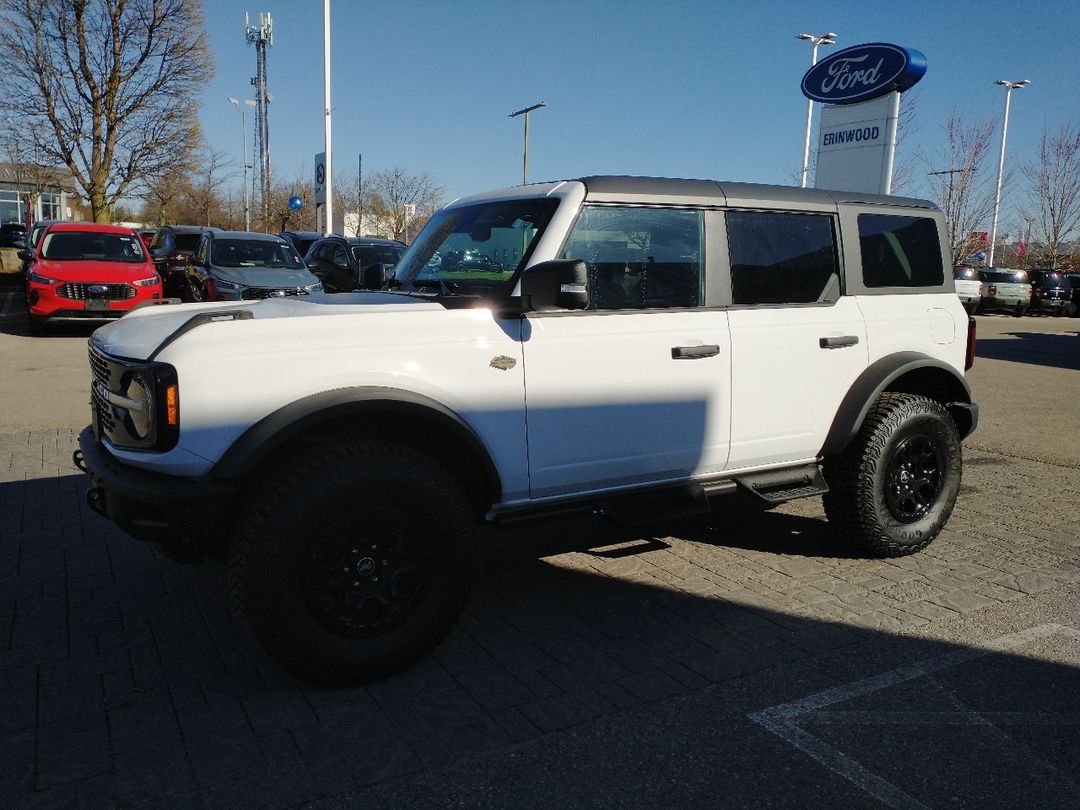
617 346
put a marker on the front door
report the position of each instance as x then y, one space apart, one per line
634 389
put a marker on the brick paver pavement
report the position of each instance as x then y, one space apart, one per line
123 680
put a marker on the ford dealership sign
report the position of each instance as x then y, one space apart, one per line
863 72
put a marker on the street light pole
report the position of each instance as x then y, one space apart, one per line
1009 87
824 39
243 157
525 111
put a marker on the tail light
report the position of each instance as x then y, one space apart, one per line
993 289
969 356
1031 292
180 257
980 288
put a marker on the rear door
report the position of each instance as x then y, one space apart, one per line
797 343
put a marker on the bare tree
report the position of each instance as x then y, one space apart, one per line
207 182
104 86
960 183
386 193
1054 193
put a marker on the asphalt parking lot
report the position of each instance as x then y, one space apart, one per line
732 664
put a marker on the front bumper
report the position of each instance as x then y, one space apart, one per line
185 517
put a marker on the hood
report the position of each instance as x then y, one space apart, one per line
139 333
266 278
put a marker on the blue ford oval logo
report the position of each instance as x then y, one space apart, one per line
98 289
863 72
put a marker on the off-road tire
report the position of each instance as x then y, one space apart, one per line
306 561
893 489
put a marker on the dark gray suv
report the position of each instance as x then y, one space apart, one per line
242 266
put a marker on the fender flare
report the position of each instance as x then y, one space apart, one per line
275 429
876 378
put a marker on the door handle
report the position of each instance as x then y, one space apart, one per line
694 352
838 342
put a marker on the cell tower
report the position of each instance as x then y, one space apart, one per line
260 36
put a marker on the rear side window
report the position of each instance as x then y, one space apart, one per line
782 258
899 251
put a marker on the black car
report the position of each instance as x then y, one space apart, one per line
243 266
1050 291
1072 308
340 260
171 248
13 234
301 240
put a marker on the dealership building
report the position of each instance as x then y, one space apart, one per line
30 193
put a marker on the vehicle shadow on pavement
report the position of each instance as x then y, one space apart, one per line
124 680
1053 350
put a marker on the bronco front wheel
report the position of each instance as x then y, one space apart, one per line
893 489
354 563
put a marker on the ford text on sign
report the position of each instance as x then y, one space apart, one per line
863 72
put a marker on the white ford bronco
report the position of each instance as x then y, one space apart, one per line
619 346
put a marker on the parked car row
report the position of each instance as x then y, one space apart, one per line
80 271
1000 289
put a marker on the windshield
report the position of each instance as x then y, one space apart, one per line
367 255
481 246
187 242
1051 280
85 246
265 253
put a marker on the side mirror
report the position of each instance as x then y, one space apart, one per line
556 284
373 276
26 255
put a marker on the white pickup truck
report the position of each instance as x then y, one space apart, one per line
969 287
619 347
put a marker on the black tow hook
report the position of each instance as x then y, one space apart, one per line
95 499
78 460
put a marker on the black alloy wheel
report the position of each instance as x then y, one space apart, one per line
368 576
913 478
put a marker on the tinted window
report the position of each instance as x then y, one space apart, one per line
187 241
779 258
900 251
639 258
368 255
969 273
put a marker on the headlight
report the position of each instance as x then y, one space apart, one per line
317 287
147 282
140 392
37 279
227 285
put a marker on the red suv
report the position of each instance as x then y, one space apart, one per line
80 271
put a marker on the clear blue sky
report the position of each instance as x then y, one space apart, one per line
682 88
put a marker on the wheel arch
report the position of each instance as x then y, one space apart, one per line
401 417
904 372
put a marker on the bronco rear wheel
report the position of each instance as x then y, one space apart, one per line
354 563
893 489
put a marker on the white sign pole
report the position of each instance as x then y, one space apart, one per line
890 143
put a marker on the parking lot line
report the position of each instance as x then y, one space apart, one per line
786 720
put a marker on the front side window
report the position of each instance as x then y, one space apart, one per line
255 253
639 258
899 251
782 258
477 247
86 246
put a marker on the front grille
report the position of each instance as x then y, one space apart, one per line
80 292
102 371
258 293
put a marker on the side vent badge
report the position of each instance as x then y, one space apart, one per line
503 363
